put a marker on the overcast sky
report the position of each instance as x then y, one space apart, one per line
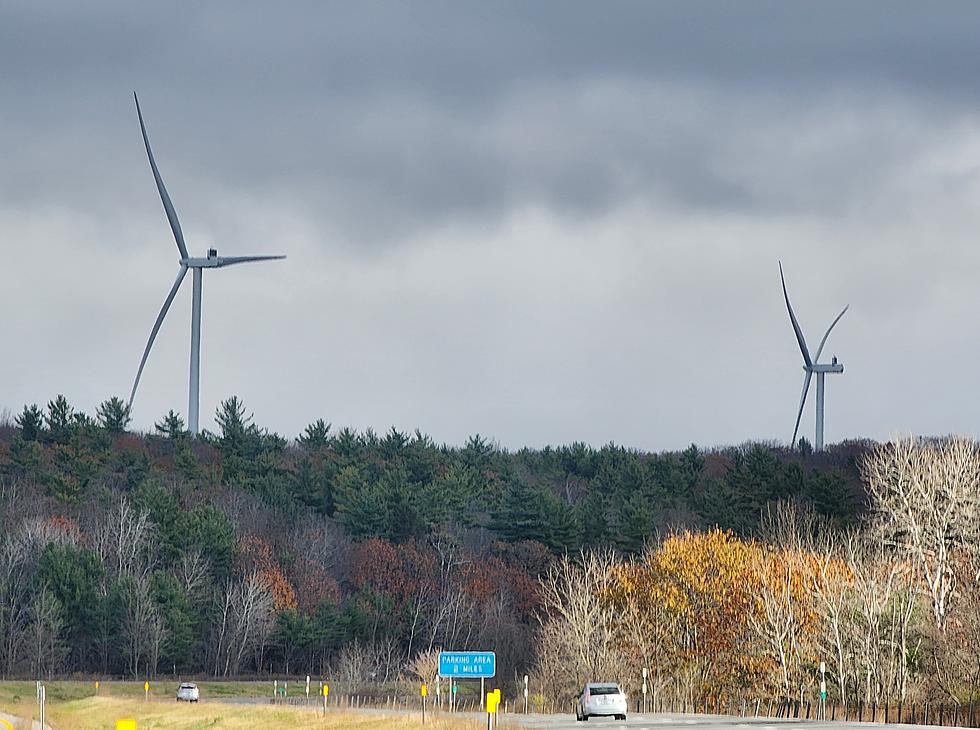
540 221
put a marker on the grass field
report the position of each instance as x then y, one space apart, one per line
74 690
74 705
96 713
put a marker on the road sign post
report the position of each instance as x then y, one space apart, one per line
525 694
823 690
425 692
43 693
146 691
456 665
326 691
307 689
644 689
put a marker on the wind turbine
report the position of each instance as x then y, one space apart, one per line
812 367
197 265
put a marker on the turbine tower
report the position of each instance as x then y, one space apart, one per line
812 367
197 265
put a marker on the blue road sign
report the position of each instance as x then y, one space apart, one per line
467 664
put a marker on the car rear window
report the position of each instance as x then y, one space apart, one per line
608 690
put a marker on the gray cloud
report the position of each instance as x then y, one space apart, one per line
545 222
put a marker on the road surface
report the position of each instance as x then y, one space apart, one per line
678 722
9 721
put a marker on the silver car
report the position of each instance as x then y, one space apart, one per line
188 692
601 699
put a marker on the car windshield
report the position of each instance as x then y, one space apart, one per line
606 689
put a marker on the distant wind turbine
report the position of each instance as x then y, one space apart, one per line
812 367
212 261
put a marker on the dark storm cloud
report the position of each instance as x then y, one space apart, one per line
394 108
543 220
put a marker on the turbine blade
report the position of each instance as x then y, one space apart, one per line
156 328
167 205
824 340
232 260
796 325
799 415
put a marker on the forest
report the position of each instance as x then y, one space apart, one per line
358 555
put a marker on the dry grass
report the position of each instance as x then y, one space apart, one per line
95 713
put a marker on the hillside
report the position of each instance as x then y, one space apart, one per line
247 551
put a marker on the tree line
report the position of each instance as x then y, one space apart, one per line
890 606
243 551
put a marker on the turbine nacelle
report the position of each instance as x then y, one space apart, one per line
834 367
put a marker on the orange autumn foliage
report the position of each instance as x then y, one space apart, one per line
698 603
254 553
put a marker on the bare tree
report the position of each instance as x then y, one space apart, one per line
886 596
357 664
192 572
778 620
141 625
578 626
47 651
245 610
123 540
834 598
926 498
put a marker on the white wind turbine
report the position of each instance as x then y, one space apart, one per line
212 261
812 367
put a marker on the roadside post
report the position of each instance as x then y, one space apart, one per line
275 690
452 698
525 694
496 705
438 695
146 691
823 690
307 689
326 691
644 689
96 686
491 703
425 692
41 698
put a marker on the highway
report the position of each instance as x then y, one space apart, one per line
672 722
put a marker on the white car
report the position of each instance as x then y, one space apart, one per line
188 692
605 699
